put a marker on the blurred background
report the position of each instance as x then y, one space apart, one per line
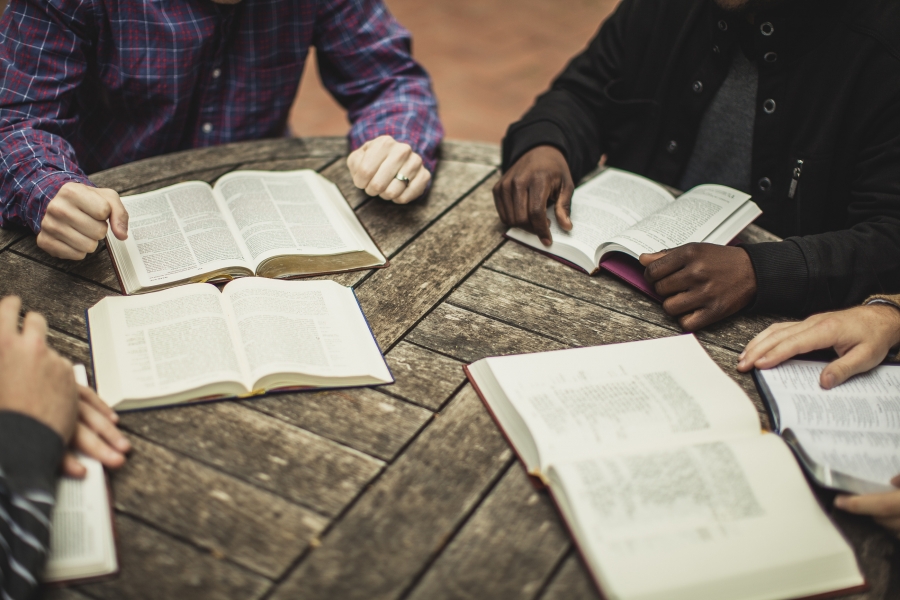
488 60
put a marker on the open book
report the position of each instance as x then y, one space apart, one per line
617 216
657 463
276 225
848 438
82 543
192 342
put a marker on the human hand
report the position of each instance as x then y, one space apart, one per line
702 283
883 508
862 337
522 195
376 164
76 220
34 379
96 435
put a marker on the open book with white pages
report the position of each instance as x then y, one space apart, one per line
82 538
848 437
617 216
193 342
277 225
657 463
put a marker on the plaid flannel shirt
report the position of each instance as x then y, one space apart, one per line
86 85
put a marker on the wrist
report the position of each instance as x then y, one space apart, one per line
889 316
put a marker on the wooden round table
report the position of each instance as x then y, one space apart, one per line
404 491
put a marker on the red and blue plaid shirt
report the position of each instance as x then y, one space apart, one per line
89 84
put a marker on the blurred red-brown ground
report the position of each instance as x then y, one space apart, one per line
488 59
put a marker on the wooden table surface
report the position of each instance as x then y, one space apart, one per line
404 491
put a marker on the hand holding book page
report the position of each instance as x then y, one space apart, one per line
848 436
622 212
192 342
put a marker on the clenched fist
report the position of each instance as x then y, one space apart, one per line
76 220
380 167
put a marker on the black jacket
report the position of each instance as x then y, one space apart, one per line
829 95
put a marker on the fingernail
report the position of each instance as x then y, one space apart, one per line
841 502
828 381
123 445
740 364
741 355
546 241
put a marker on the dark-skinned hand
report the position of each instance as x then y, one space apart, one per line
701 283
540 177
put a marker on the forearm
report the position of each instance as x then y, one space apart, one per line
30 455
829 271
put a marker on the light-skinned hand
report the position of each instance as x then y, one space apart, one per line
540 177
375 165
34 379
96 435
861 336
883 508
76 220
701 283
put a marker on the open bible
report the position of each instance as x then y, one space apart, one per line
82 540
617 216
194 343
848 437
276 225
656 461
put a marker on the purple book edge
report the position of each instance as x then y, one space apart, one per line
630 271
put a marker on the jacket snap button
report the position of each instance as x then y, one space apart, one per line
716 49
767 29
770 57
765 184
769 106
672 147
697 87
723 25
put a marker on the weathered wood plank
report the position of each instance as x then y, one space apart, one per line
361 418
548 313
423 377
393 225
507 549
230 518
72 348
468 336
62 298
11 236
754 234
60 594
605 290
157 168
393 530
97 267
263 451
316 163
156 566
472 152
572 582
394 299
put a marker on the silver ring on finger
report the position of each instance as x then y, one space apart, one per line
402 178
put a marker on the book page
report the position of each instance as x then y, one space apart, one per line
690 218
584 401
165 342
284 213
718 519
81 540
852 429
309 327
179 232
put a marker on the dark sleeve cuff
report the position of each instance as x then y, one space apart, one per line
30 453
523 139
782 277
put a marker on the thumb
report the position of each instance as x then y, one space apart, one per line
646 259
564 208
858 360
118 216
